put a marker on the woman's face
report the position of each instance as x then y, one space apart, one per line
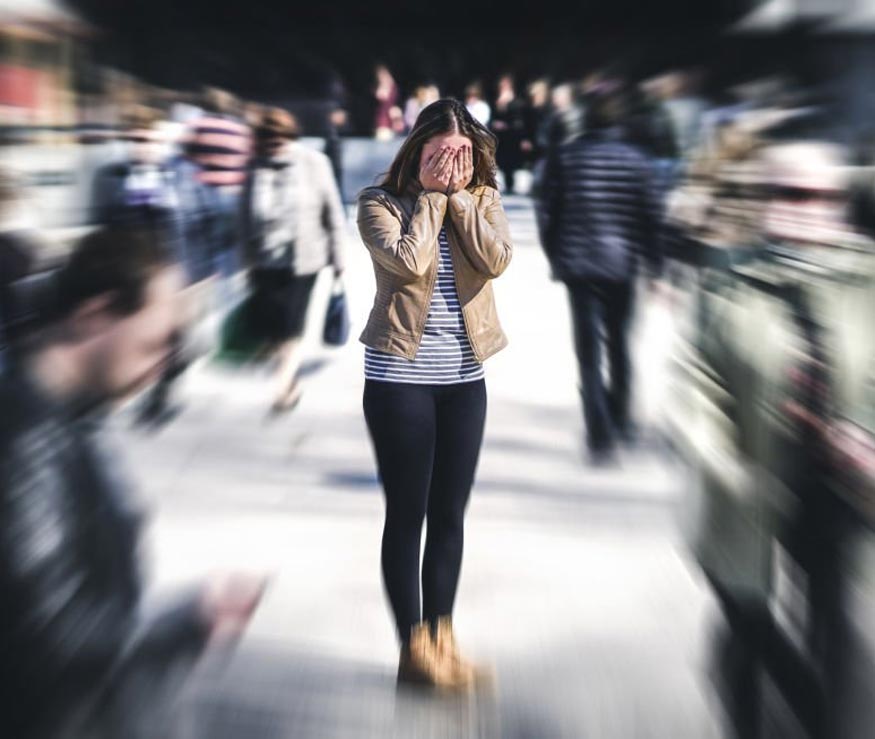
454 140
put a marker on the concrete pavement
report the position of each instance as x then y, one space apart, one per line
575 583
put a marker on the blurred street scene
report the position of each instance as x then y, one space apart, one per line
671 529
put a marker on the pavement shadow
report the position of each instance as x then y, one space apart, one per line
269 691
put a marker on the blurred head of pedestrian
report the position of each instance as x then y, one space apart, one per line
253 113
506 90
562 97
446 122
539 93
606 105
142 134
419 94
807 190
473 93
275 130
116 311
220 102
383 76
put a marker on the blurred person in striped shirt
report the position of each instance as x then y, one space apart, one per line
219 143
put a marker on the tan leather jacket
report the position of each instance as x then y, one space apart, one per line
401 234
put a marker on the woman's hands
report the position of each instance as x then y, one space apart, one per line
448 170
463 170
436 173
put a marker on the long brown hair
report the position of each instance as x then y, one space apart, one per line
442 117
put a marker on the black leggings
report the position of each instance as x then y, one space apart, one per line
427 441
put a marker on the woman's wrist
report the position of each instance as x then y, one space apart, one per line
431 191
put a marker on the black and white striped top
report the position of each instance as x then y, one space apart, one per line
445 356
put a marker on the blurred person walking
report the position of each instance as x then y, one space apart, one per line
138 189
508 123
294 225
437 235
476 105
142 191
596 219
336 124
220 143
148 190
560 123
79 651
537 113
566 120
388 119
779 389
424 96
686 107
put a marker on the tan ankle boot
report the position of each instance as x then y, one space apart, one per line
448 651
419 663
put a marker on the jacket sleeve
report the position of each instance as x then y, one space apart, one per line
406 253
547 207
334 215
484 236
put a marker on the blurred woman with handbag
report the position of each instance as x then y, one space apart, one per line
294 225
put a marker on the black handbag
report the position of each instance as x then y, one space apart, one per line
336 329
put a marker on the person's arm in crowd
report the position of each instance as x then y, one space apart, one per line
548 206
333 213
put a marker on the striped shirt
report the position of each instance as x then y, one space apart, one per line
221 146
445 356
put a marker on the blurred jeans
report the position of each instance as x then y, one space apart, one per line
225 260
603 307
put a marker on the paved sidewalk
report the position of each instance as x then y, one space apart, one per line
575 583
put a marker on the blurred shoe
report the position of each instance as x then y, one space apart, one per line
447 649
420 664
287 402
286 405
629 434
603 457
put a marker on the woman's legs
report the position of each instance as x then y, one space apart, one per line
401 422
460 418
289 302
289 359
